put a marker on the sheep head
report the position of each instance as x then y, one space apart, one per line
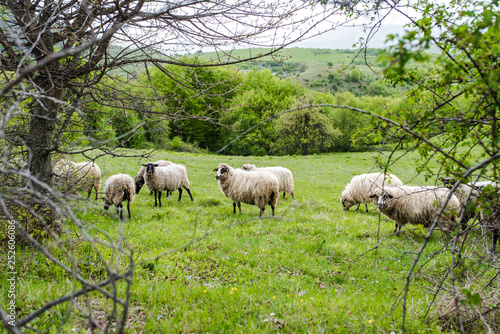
248 167
150 168
221 171
381 198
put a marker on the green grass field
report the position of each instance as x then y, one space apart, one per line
308 270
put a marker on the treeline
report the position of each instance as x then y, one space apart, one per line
186 108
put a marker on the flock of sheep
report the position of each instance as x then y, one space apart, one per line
262 186
424 205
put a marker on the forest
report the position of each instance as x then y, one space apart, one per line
237 98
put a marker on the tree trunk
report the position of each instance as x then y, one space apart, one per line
39 138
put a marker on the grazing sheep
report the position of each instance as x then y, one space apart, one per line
82 175
170 178
467 196
362 186
258 188
117 189
139 178
284 175
417 205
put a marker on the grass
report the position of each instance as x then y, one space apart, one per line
308 270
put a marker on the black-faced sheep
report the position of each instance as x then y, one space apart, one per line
284 175
78 176
169 178
258 188
117 189
139 178
417 205
360 188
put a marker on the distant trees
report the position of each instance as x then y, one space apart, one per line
304 131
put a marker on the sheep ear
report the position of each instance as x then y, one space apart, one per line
441 179
373 196
388 196
156 165
216 169
144 165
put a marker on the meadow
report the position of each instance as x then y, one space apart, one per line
313 268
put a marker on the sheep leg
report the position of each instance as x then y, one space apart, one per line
397 228
119 210
189 192
90 191
151 193
234 207
272 208
261 212
366 207
180 194
96 193
357 207
496 235
128 208
159 197
239 207
156 203
284 193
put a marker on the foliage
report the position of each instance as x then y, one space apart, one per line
459 96
195 96
260 96
304 131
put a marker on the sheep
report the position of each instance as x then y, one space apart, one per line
86 175
139 178
170 178
449 182
258 188
117 189
284 175
466 194
417 205
361 187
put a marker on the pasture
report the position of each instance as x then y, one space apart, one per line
311 269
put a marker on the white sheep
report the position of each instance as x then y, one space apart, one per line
284 175
361 187
117 189
82 175
467 195
417 205
170 178
258 188
139 178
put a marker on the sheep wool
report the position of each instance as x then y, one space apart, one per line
360 188
78 176
169 178
258 188
284 175
117 189
417 205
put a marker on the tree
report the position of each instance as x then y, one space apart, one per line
304 131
